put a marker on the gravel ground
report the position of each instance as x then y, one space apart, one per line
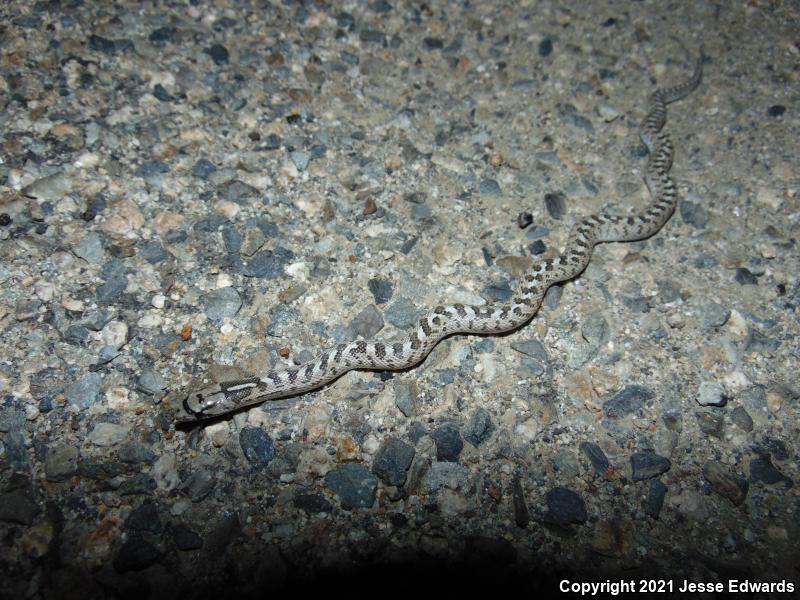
195 190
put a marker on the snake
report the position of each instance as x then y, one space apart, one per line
217 399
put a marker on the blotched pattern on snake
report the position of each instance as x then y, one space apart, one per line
218 399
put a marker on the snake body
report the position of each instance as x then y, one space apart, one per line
442 321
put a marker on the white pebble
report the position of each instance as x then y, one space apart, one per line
158 300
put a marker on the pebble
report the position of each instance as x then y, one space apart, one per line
711 393
257 445
565 507
108 434
221 303
136 554
405 397
724 482
203 168
693 214
199 485
545 47
61 462
448 442
763 471
353 484
145 518
381 290
90 248
489 187
742 419
629 400
445 475
300 159
522 515
555 203
83 392
646 465
17 507
367 323
596 456
655 498
218 53
52 187
745 277
185 538
392 461
711 423
479 427
713 315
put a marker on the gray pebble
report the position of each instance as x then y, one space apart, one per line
450 475
257 445
713 315
150 381
367 323
402 313
312 503
90 248
555 203
596 456
203 168
655 498
238 191
693 214
108 434
11 418
565 507
724 482
489 187
268 264
300 159
61 462
221 303
381 290
646 465
762 470
136 554
745 277
595 329
629 400
83 392
532 348
52 187
199 485
710 422
479 427
405 397
134 453
153 252
711 393
353 484
151 168
448 442
741 418
392 461
140 484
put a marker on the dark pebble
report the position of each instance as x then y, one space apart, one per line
596 456
145 518
107 46
762 470
499 292
140 484
776 110
723 482
556 205
5 220
694 214
312 503
268 264
565 507
655 498
257 446
218 53
153 252
745 277
17 507
354 484
381 290
150 168
538 247
271 142
522 515
203 168
185 538
432 43
628 401
711 422
162 34
448 443
135 555
742 419
237 191
646 465
371 35
524 219
479 427
489 187
545 47
161 93
392 461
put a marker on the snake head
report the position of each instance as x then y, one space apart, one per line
212 400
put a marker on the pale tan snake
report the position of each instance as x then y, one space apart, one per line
221 398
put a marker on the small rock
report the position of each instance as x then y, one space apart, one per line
555 203
448 443
257 445
449 475
479 427
762 470
521 513
221 303
367 323
353 484
83 393
218 53
655 498
145 518
185 538
489 187
629 400
711 393
61 462
742 419
17 507
108 434
405 397
725 483
392 461
646 465
136 554
565 507
596 456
